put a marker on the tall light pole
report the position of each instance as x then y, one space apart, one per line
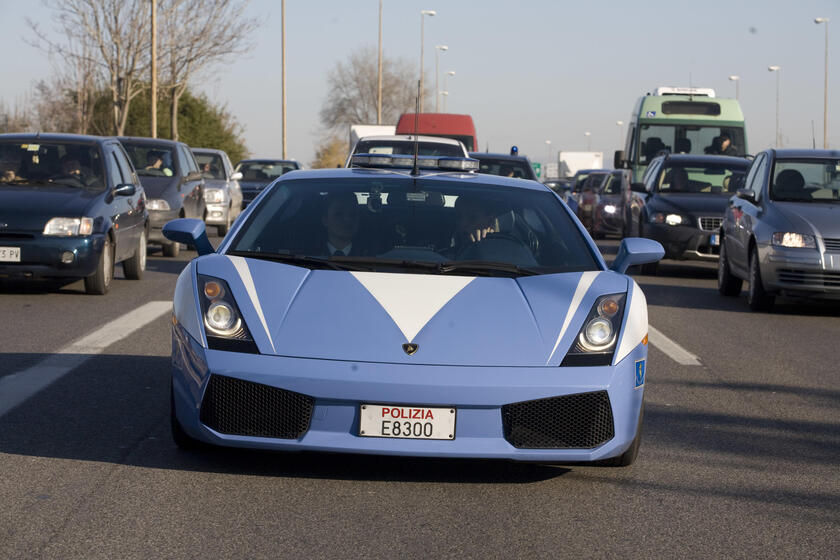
737 80
618 124
283 64
778 71
445 92
818 21
438 49
548 151
379 72
422 22
588 143
153 115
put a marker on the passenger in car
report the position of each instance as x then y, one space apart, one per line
9 168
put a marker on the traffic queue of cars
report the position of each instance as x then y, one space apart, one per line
74 206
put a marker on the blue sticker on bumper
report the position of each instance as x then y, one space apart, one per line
640 373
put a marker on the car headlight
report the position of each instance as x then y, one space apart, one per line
799 240
223 323
596 340
214 195
666 218
67 227
157 204
610 208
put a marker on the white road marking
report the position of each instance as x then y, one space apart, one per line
17 387
672 349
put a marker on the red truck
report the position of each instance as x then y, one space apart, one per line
459 127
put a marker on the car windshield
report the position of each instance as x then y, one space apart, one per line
405 147
151 160
689 139
434 227
589 181
806 180
264 171
51 163
700 178
210 165
505 168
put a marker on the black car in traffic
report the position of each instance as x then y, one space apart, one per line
505 165
684 198
70 207
173 183
258 173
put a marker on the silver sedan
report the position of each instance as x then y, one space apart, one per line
781 233
222 192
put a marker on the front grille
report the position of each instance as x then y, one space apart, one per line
16 235
710 224
243 408
810 278
832 244
580 421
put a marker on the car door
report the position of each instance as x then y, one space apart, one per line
742 217
118 206
193 183
136 217
234 190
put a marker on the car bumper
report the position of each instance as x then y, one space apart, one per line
800 272
41 257
478 394
218 214
612 224
157 219
684 242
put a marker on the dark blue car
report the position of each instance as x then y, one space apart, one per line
70 207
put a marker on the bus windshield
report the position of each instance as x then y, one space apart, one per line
688 139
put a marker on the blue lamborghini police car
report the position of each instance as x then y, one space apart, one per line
412 308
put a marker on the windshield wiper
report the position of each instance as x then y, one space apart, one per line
486 267
298 259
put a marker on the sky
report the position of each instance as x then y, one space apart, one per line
528 72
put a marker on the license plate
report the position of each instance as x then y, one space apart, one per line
714 239
9 254
407 422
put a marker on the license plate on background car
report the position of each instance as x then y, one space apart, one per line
714 239
408 422
9 254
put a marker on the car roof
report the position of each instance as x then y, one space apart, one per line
150 141
593 171
209 151
704 158
410 138
57 137
805 153
267 160
505 157
386 174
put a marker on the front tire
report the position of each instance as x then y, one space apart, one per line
99 282
171 249
757 297
628 457
728 284
133 268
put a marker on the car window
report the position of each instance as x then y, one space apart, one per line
264 171
114 172
688 139
505 168
806 180
126 170
151 160
614 184
60 163
211 165
430 221
755 176
187 161
698 178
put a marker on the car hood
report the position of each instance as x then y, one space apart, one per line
30 207
156 187
822 219
253 185
704 204
454 320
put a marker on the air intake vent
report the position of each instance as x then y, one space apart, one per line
580 421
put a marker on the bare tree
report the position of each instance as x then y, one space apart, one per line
107 38
197 35
352 94
332 152
14 119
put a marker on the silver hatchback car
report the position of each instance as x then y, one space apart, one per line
222 191
781 232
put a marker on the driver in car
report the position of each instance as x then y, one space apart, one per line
473 222
9 168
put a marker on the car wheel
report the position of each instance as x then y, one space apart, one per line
628 457
757 297
179 436
99 282
650 269
133 268
728 284
171 249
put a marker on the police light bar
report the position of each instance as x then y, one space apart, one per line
407 162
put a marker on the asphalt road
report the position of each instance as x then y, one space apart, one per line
739 459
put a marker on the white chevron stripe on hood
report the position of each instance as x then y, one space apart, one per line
241 266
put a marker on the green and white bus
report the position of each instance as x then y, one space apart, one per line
681 120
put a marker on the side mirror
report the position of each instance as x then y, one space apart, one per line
746 194
618 159
638 187
125 189
236 176
189 231
195 176
636 250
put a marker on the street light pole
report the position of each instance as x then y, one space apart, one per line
818 21
778 71
283 64
737 80
438 49
548 151
422 22
445 92
588 143
379 72
153 93
445 95
619 124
